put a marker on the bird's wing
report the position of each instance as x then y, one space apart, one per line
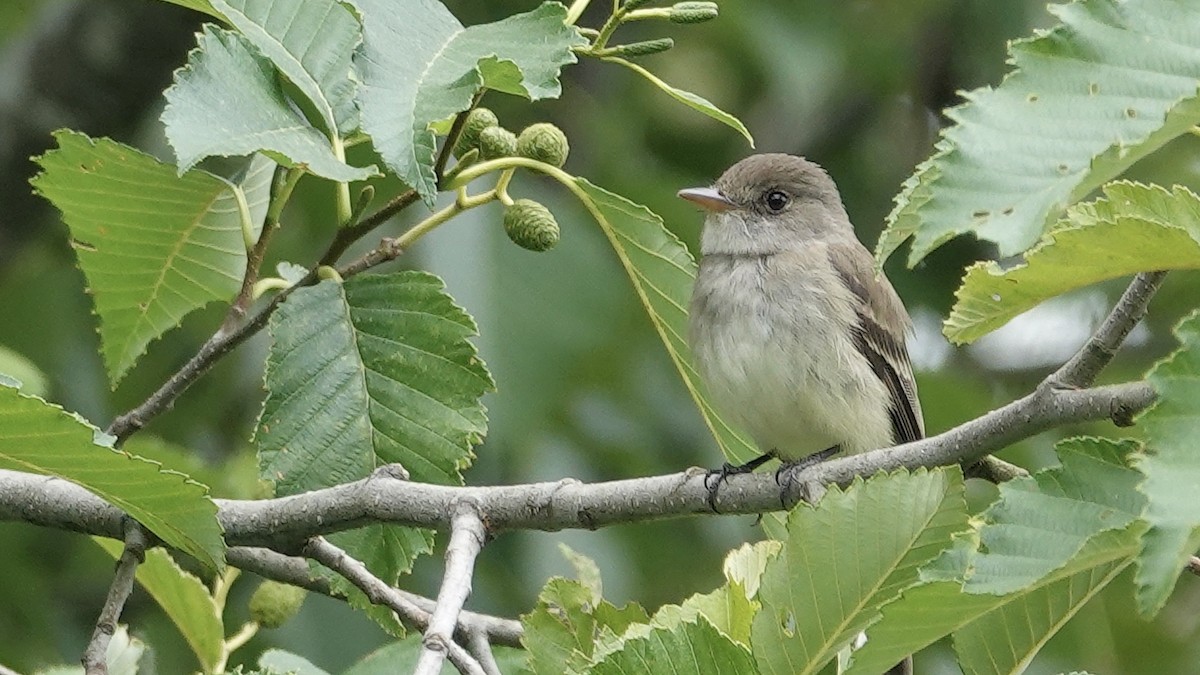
879 336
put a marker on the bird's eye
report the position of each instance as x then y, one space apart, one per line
776 200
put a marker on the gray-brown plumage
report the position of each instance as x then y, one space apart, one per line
799 341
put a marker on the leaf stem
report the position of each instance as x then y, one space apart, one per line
239 197
344 211
576 10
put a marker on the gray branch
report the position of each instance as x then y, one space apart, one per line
380 592
467 536
295 571
95 657
283 522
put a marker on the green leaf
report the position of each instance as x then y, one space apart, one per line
1049 543
1133 228
1088 98
744 565
311 42
184 598
153 245
689 647
375 371
415 73
41 438
689 99
279 661
228 100
23 372
586 571
1171 466
563 630
203 6
1041 522
662 272
729 609
813 602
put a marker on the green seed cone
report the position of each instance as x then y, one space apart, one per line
477 120
497 142
643 48
274 604
530 225
543 142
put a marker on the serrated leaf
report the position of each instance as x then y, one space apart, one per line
1133 228
1171 467
662 272
153 245
1003 631
415 73
184 598
1041 522
847 557
729 609
375 371
564 628
586 571
1112 83
685 648
228 100
745 564
41 438
1052 541
311 42
697 103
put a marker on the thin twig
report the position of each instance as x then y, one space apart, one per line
479 645
95 657
1081 370
380 592
346 236
467 536
295 571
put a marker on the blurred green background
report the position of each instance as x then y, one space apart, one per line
585 389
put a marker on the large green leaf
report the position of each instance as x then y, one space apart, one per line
374 371
311 42
184 598
44 439
1088 98
1040 522
662 272
228 100
1172 469
1049 543
697 103
1133 228
417 72
845 558
153 245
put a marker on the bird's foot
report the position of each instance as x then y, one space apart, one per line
714 477
786 475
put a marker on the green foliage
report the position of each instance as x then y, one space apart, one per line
183 597
1172 470
154 246
385 361
1088 98
41 438
1133 228
813 604
415 73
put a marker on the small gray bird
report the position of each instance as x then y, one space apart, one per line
800 343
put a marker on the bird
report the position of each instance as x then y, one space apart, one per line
798 339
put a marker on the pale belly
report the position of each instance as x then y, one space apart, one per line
783 373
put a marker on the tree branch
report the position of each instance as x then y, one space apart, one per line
380 592
467 536
285 521
1081 370
95 657
295 571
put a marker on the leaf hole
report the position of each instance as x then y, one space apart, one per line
1008 211
981 214
1093 88
1130 113
995 297
1032 98
83 245
1064 169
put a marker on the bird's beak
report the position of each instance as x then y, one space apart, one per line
708 198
